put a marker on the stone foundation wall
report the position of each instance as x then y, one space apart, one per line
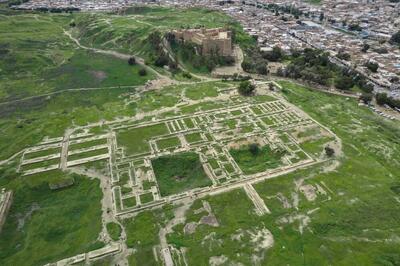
5 203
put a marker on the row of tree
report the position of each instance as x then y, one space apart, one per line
314 65
384 99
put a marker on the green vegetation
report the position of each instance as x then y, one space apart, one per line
235 215
87 144
142 234
114 230
129 202
193 137
42 153
37 57
146 198
135 140
137 34
41 164
314 65
253 161
395 39
179 172
51 229
382 99
166 143
147 184
246 88
202 90
87 154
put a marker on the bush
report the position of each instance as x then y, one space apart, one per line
344 83
246 88
161 61
131 61
329 151
142 72
187 75
395 39
262 69
366 97
344 56
275 55
254 149
372 66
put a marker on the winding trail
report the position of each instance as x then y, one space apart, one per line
116 54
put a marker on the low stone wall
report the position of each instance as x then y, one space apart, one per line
5 203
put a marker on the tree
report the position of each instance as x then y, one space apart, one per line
275 55
262 69
142 72
161 61
329 151
344 82
372 66
355 27
246 88
154 39
381 98
131 61
366 97
254 149
395 39
247 65
344 56
365 47
321 17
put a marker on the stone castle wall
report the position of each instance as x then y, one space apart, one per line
212 41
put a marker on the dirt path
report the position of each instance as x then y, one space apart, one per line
178 219
63 91
116 54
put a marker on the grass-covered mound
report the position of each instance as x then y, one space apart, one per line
114 230
179 172
256 160
46 225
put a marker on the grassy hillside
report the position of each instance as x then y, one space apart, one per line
36 57
354 222
45 225
129 32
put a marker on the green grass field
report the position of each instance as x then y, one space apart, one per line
43 225
193 137
42 153
142 234
114 230
255 163
178 173
136 140
166 143
355 223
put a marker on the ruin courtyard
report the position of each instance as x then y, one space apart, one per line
213 139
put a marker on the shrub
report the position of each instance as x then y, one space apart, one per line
372 66
344 83
246 88
131 61
329 151
142 72
254 149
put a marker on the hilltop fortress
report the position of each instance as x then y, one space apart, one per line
216 40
